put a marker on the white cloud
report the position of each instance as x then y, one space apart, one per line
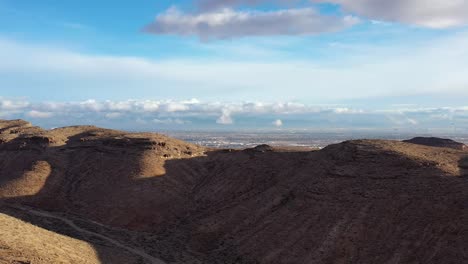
91 105
176 107
39 114
151 106
278 123
132 114
228 23
345 110
225 118
425 13
11 105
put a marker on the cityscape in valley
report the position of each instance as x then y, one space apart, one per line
311 139
234 132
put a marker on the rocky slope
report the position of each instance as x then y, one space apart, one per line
437 142
356 202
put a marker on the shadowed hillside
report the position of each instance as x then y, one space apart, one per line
165 200
437 142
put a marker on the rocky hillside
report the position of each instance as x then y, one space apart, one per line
437 142
362 201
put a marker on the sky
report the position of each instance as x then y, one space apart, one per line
236 64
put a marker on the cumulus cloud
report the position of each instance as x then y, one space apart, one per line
161 111
134 114
220 19
278 123
11 105
426 13
225 118
228 23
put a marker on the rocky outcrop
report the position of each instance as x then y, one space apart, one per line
260 148
437 142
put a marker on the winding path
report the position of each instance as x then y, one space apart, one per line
137 252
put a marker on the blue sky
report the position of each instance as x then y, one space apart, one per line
235 63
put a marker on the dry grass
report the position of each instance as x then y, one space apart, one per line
21 242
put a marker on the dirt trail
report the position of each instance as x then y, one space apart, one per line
138 252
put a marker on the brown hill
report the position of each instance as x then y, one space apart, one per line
21 242
360 201
437 142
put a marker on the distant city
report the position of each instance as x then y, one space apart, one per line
239 140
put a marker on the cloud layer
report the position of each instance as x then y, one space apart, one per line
426 13
228 23
195 114
220 20
435 66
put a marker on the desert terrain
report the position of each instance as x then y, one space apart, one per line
85 194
